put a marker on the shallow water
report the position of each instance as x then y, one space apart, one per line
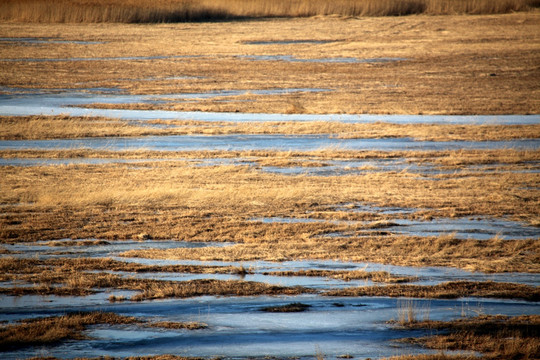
45 40
238 327
260 142
460 228
288 42
480 229
424 275
118 58
290 58
27 102
63 248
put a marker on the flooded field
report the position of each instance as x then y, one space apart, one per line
160 202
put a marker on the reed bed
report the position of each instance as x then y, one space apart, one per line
66 127
140 11
495 336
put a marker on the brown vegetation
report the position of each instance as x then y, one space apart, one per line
60 127
448 290
51 277
138 11
293 307
475 255
54 329
497 337
376 276
481 64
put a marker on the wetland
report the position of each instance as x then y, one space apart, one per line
288 187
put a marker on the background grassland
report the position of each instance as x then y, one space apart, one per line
140 11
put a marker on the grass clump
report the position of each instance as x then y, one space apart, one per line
496 336
293 307
54 329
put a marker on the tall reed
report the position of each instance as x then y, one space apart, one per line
141 11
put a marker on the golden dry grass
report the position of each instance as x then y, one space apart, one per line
39 205
137 11
481 64
60 127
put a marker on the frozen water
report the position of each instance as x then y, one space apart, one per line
238 328
27 103
259 142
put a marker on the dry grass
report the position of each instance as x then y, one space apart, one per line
376 276
293 307
497 337
180 203
179 325
60 127
209 287
473 255
482 64
52 277
448 290
55 329
51 330
138 11
12 266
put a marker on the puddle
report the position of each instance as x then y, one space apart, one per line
314 282
59 162
369 208
424 275
288 42
45 40
237 327
460 228
67 98
481 229
120 58
290 58
17 307
41 250
18 92
35 102
260 142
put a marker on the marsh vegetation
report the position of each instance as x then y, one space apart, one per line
217 189
138 11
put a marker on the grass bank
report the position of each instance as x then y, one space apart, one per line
140 11
495 336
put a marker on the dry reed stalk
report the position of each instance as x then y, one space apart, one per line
496 336
138 11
